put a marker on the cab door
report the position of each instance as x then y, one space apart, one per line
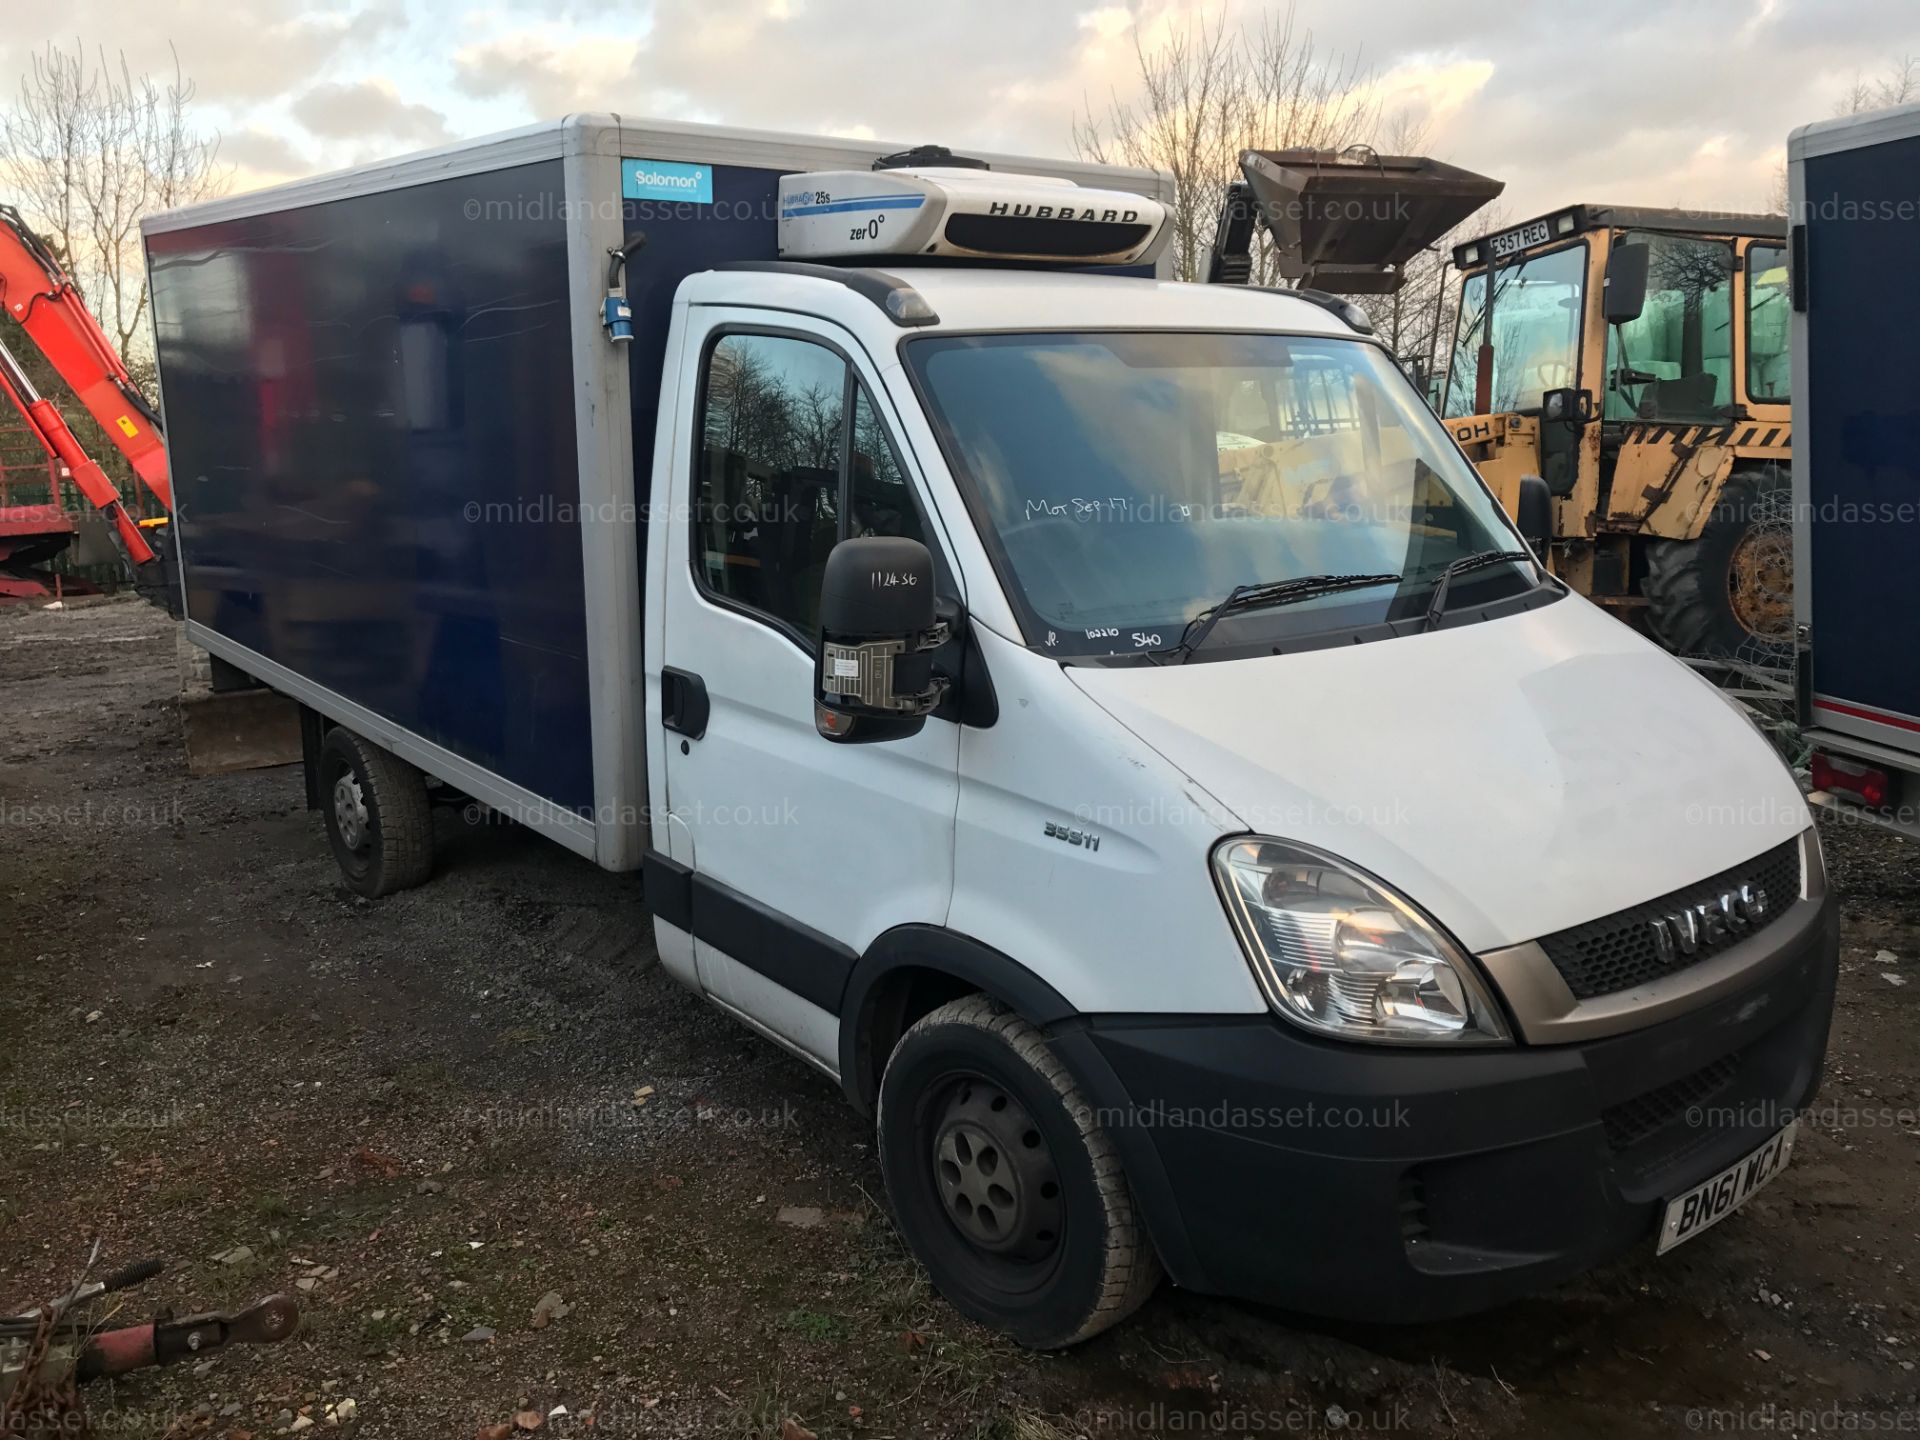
802 850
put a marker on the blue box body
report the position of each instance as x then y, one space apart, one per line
412 468
1858 430
370 415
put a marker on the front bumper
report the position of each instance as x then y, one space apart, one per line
1370 1183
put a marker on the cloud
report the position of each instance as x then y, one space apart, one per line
1610 103
1614 104
368 108
1109 23
261 152
1010 76
234 53
550 71
1436 89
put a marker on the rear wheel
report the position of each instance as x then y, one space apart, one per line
1730 592
1003 1184
378 819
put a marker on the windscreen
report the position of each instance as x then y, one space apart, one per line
1537 301
1126 482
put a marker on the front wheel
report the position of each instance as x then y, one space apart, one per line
379 821
1003 1184
1729 593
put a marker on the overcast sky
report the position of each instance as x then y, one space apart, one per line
1658 102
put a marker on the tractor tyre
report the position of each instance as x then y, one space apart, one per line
1729 594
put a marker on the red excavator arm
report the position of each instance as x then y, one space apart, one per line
60 442
37 293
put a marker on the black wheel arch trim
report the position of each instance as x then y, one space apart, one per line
934 947
980 966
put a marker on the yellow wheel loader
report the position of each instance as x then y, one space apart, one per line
1637 361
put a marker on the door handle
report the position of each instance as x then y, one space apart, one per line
683 702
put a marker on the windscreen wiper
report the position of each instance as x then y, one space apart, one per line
1460 567
1269 592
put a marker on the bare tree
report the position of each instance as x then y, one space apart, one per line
1898 84
88 148
1406 319
1210 92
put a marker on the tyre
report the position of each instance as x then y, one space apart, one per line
378 819
1001 1182
1729 593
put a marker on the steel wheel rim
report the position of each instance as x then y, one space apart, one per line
1760 584
994 1174
350 812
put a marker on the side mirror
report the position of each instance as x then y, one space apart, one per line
873 678
1533 514
1564 418
1570 407
1624 292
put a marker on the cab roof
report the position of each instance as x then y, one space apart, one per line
1684 222
1587 217
981 298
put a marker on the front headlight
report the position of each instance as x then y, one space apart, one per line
1338 952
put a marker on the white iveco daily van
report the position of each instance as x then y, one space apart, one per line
1361 946
1210 842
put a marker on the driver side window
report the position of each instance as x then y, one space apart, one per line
792 459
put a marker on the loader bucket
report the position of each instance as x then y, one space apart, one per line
1349 220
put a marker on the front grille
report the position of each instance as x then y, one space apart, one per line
1634 1120
1617 952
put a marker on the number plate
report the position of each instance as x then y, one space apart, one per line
1516 240
1711 1201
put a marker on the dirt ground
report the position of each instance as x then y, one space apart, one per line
418 1116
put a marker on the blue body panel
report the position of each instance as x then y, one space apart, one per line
370 415
1861 447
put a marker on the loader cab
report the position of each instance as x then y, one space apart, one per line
1710 337
1639 416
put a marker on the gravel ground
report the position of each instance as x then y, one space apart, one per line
419 1116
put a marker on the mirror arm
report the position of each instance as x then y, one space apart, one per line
1624 374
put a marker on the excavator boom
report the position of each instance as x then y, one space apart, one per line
59 441
37 292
